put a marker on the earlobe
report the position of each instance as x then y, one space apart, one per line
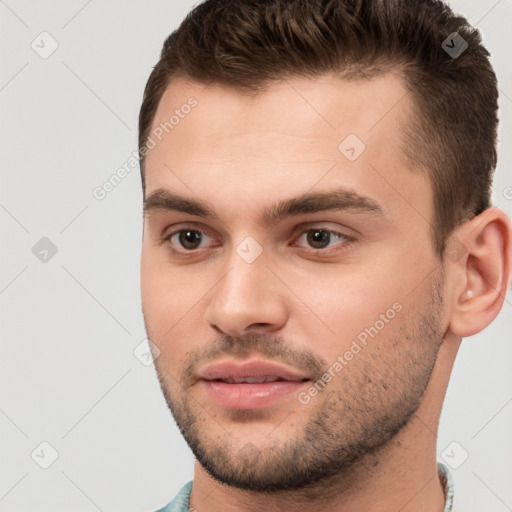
484 272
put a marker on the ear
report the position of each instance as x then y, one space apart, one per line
479 255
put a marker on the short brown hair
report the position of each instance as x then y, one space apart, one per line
246 45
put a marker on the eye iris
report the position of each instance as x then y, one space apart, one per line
189 238
321 236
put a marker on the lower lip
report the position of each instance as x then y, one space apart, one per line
251 396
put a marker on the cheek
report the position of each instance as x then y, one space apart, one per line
171 303
162 300
341 305
165 290
153 289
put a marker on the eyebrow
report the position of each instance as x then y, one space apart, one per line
338 199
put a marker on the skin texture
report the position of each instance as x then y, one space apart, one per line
367 441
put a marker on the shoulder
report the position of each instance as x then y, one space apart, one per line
448 487
180 501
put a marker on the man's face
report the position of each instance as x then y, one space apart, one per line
343 306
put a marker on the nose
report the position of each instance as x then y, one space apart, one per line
247 298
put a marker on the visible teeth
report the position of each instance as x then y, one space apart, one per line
249 380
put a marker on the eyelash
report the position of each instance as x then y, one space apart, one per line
348 240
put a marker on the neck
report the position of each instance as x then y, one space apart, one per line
400 477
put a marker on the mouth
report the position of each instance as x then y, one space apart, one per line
253 380
254 384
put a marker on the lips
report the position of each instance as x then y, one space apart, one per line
253 384
255 369
249 380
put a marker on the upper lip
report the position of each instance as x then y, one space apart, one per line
252 368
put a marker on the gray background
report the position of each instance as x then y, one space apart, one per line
70 324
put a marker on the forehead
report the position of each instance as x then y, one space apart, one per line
296 135
318 110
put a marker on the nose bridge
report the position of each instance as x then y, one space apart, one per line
246 295
244 284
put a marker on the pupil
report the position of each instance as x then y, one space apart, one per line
322 238
189 238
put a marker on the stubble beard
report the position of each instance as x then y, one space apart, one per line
351 420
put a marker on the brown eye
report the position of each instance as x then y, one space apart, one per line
190 238
318 238
323 240
185 241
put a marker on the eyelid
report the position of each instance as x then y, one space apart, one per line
166 238
184 227
328 251
338 229
297 232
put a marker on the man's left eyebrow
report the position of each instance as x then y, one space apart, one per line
338 199
333 200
